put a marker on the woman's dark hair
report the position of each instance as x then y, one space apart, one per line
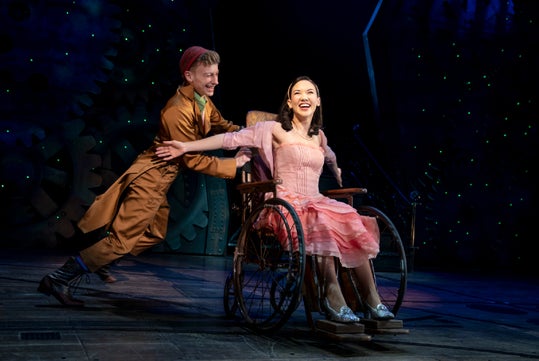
286 113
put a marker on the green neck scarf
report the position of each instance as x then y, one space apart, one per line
201 101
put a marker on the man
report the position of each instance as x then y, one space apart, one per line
134 209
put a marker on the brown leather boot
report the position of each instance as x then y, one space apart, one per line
105 275
57 283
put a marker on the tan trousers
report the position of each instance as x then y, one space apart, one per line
141 221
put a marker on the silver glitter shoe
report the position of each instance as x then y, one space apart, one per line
379 313
345 315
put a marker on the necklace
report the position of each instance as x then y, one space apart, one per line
309 137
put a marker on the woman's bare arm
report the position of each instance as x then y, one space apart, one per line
173 148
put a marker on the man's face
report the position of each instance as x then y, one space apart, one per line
204 78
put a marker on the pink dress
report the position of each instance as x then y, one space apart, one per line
331 227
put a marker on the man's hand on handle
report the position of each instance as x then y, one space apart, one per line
173 148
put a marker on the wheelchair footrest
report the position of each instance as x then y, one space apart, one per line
336 327
379 324
387 326
341 332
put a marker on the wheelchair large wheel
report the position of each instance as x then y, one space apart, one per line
269 266
389 267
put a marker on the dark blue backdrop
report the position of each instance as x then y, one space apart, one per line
447 110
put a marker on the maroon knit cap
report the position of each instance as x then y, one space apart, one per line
190 55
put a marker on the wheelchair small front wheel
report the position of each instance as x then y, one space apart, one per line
229 298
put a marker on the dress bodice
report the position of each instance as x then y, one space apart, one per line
299 166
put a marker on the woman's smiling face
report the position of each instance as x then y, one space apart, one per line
303 98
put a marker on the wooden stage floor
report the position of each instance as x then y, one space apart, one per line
170 307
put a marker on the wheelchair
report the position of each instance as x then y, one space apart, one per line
271 273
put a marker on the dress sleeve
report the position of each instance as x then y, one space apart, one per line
329 155
259 136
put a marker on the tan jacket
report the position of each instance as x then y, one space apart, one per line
181 119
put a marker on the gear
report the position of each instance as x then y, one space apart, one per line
61 143
45 161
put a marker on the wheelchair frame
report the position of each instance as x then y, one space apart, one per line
267 285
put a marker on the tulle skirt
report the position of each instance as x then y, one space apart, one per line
331 228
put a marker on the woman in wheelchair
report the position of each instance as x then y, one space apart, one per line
295 148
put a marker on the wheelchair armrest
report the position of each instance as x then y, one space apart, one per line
344 193
259 187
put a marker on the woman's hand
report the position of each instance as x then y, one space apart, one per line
243 156
337 173
171 149
338 176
